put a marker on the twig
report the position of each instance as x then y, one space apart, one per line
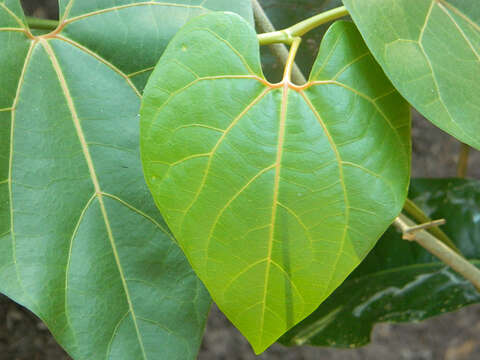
279 50
41 24
409 234
287 35
462 169
434 246
412 210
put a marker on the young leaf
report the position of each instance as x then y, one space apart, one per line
399 281
81 242
132 34
275 192
430 50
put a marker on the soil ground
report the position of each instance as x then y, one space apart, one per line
451 336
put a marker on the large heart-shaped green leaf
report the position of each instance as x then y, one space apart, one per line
81 242
399 281
275 192
132 34
430 50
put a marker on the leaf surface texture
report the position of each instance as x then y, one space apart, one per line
430 50
275 192
82 244
399 281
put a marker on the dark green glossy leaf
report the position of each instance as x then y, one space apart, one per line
275 192
430 50
399 281
285 13
81 242
132 34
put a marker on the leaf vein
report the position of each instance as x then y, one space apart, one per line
217 145
231 200
69 257
146 216
276 186
234 50
12 14
459 13
101 59
94 179
460 30
114 333
244 270
10 167
121 7
342 182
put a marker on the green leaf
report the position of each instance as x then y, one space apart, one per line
82 244
275 192
15 47
430 50
285 13
399 281
132 34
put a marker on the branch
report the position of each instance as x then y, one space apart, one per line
279 50
41 24
420 217
462 169
440 250
287 35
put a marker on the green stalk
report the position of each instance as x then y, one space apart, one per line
440 250
287 36
420 217
462 169
41 24
279 50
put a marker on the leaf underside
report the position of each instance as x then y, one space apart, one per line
430 50
399 281
274 192
81 242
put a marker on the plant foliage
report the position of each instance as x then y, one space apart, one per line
275 192
399 281
81 242
430 50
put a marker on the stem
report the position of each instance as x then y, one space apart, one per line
419 216
279 50
440 250
41 24
463 161
291 59
287 35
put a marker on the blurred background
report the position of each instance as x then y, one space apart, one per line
451 336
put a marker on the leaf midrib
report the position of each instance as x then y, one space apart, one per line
276 186
95 182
